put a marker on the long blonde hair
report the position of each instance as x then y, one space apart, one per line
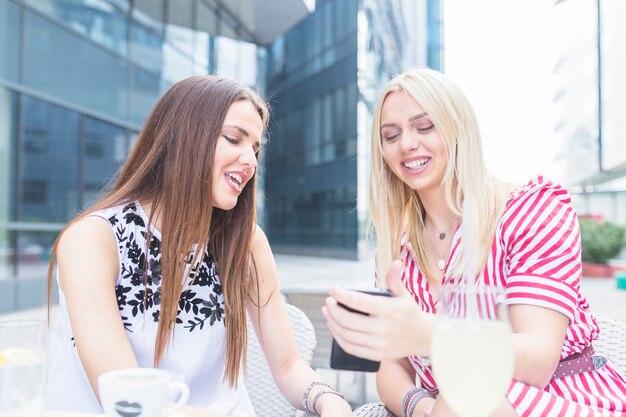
171 166
396 208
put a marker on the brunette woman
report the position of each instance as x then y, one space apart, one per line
162 270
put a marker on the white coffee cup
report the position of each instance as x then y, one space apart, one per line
139 392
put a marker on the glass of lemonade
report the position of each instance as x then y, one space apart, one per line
22 354
472 348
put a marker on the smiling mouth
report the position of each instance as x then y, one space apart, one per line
234 180
416 164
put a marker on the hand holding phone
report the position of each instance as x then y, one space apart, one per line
340 359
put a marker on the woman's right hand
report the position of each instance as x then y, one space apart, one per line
394 327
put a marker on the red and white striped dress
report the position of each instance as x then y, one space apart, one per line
535 255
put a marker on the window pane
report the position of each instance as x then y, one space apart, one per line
96 19
202 50
74 68
228 26
7 267
178 31
146 48
149 13
206 19
177 66
49 163
144 95
32 256
105 151
339 111
237 59
8 152
9 40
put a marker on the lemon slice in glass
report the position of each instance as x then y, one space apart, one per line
20 357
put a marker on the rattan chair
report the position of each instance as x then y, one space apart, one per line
310 302
610 343
612 340
264 394
373 410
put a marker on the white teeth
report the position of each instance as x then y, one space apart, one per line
416 164
235 178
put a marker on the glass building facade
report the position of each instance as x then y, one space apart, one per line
324 76
77 78
589 101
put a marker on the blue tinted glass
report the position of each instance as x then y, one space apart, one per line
105 151
176 65
144 95
178 30
96 19
149 13
62 65
31 262
48 175
8 159
9 40
146 48
8 153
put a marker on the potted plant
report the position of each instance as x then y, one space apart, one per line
601 241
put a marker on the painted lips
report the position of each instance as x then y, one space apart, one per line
127 409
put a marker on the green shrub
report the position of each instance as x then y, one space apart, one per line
601 241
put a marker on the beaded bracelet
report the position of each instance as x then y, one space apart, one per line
317 397
305 397
412 397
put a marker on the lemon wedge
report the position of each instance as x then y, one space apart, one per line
20 357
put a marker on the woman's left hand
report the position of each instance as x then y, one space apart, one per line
394 328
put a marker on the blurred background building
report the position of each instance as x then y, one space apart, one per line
77 78
590 98
324 76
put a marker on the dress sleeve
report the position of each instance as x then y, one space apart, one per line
541 238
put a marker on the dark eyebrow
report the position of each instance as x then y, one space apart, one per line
241 129
411 119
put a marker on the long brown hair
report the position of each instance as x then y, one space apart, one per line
170 166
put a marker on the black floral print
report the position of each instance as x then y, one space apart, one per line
139 291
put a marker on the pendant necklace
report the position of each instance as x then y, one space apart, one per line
441 263
442 235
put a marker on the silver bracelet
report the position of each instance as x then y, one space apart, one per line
407 397
419 395
305 396
317 397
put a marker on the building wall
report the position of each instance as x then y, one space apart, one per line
310 166
613 84
77 78
576 93
325 76
590 113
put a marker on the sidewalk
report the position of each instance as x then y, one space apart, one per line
299 272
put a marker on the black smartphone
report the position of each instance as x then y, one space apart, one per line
340 359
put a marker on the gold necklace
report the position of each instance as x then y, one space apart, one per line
441 263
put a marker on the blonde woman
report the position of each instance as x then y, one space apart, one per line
162 270
426 160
